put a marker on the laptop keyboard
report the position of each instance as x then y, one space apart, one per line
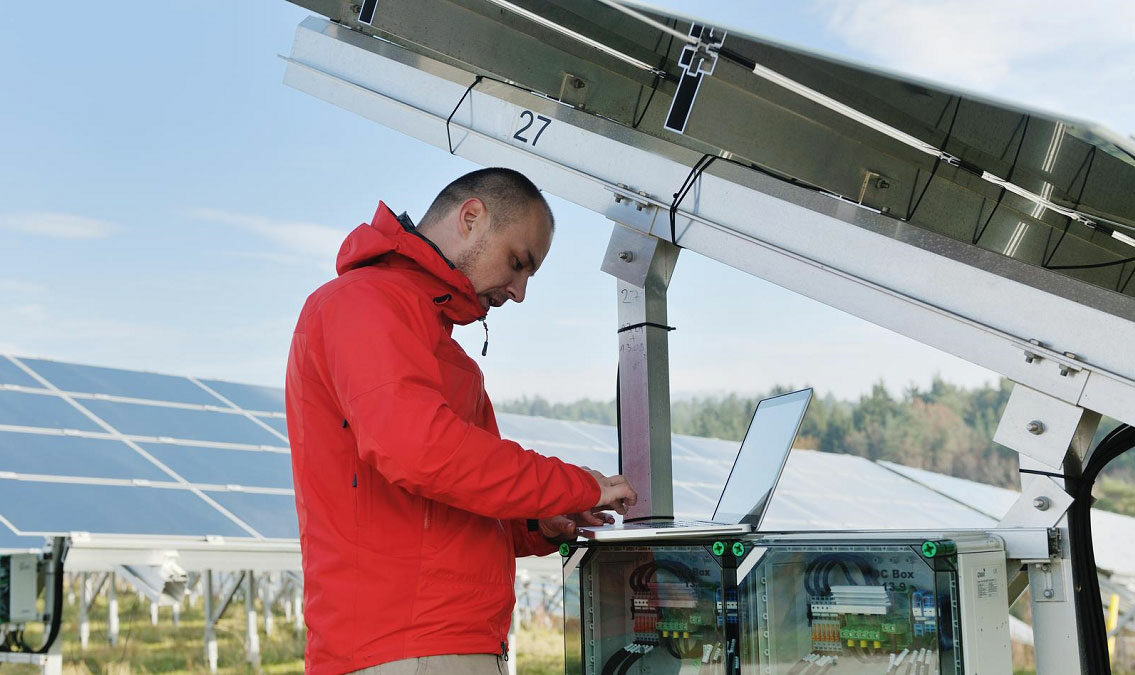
666 524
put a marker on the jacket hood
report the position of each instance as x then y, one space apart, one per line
392 241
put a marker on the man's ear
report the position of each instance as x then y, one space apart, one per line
470 212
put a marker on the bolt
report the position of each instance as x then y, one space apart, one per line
882 184
578 83
1031 356
355 9
626 256
1035 427
1042 503
1066 370
1046 568
1049 593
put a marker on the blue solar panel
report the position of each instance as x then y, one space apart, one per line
249 396
251 468
10 373
188 424
278 423
62 508
74 456
42 410
10 541
273 516
114 382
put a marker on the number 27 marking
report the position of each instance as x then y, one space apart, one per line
532 118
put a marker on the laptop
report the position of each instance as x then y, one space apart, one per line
749 487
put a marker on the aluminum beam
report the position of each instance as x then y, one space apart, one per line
974 304
643 266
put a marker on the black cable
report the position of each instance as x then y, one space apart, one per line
934 169
1012 167
699 166
449 119
658 77
615 661
1086 584
627 663
1093 266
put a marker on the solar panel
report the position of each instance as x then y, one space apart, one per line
247 468
249 396
156 455
43 454
117 382
19 408
58 507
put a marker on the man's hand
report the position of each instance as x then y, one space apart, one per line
615 492
566 528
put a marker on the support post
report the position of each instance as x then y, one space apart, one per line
252 644
267 592
1054 437
297 606
210 634
111 611
643 265
176 609
84 610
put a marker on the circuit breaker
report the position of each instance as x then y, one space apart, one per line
757 606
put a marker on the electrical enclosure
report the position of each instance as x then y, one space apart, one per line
19 586
759 607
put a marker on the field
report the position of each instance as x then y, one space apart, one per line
143 648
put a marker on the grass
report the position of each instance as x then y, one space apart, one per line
143 648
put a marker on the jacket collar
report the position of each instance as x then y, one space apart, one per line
394 241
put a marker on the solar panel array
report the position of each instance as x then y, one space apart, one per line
109 451
103 450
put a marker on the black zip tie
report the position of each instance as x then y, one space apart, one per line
650 324
449 119
700 166
485 325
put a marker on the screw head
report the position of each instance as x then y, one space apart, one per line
626 256
1042 503
1049 593
1035 427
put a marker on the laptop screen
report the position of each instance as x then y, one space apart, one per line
761 458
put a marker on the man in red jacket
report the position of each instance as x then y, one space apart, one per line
411 507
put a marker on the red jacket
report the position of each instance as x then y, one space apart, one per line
411 507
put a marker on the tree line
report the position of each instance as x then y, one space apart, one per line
942 428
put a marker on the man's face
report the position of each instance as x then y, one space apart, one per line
501 258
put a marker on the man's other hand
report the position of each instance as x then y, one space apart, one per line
566 528
615 492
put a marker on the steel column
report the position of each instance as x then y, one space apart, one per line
252 643
111 611
643 266
84 610
210 634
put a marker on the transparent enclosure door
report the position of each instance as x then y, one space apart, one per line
846 611
645 610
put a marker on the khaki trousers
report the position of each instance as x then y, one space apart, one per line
448 664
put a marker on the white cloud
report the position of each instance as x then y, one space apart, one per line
307 240
1044 53
58 225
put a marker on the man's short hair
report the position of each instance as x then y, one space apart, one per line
507 195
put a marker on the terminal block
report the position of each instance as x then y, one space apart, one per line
784 606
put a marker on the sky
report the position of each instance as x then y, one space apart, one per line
167 204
